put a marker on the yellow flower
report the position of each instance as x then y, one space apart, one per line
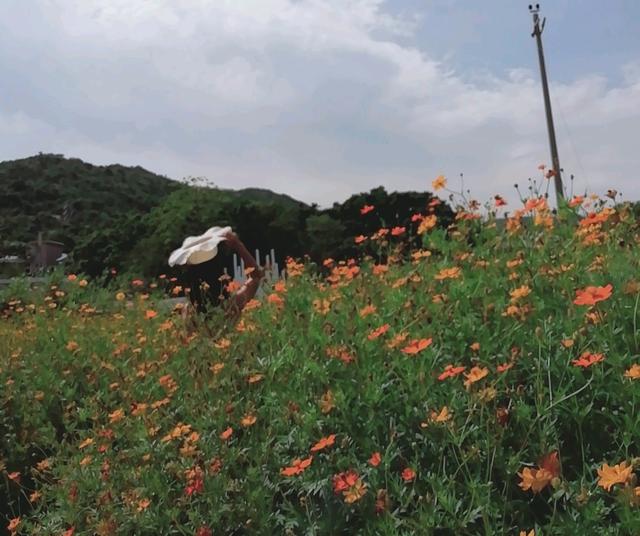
439 182
120 296
617 474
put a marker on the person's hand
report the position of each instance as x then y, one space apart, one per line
231 238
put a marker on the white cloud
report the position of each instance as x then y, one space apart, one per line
318 98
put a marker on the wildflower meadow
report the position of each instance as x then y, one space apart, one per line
485 383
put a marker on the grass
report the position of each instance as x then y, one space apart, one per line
335 406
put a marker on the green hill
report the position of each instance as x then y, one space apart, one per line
129 218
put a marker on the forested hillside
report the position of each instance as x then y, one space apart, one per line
130 219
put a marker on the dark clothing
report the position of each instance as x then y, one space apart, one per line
206 289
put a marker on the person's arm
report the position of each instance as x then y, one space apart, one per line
250 287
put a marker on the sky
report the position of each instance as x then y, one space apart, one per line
321 99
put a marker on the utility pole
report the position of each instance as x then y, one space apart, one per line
538 28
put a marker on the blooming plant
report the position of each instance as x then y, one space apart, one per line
485 382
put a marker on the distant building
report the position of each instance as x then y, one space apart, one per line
43 254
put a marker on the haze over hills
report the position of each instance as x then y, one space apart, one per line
129 218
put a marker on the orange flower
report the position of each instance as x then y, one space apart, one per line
72 277
248 420
397 231
475 375
438 183
416 346
378 332
576 200
450 372
520 292
428 222
618 474
504 367
587 359
592 295
359 239
275 299
408 474
324 443
441 416
550 463
380 269
150 314
12 527
499 201
534 479
226 434
375 459
367 310
366 209
297 466
539 203
448 273
633 373
350 485
532 532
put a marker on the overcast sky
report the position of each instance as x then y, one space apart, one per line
324 98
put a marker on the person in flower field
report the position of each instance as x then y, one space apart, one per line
204 259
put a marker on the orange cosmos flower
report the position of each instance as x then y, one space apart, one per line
12 527
380 269
499 201
475 375
504 367
137 282
618 474
367 310
226 434
150 314
550 463
350 485
441 416
448 273
408 474
375 459
324 443
366 209
359 239
576 200
416 346
439 183
378 332
633 373
587 359
592 295
297 466
248 420
397 231
520 292
534 479
539 203
428 222
450 372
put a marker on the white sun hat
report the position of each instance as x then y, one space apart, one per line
199 249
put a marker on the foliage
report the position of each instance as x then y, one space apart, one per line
128 218
484 384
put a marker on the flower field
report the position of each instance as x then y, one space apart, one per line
487 383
